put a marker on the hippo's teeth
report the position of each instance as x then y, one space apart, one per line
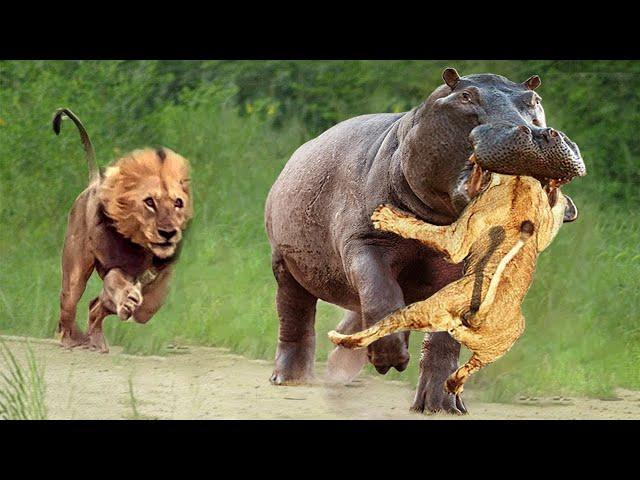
476 181
473 158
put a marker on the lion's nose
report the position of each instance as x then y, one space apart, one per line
167 234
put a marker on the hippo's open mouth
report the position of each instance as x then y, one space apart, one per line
479 178
543 153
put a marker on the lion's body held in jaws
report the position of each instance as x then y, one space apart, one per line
499 236
126 225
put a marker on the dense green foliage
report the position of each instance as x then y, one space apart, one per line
238 122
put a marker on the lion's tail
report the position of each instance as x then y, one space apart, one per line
526 230
94 171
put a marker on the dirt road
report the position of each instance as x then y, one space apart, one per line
211 383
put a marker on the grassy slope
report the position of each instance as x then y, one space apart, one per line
582 311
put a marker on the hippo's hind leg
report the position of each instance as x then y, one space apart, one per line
296 338
344 364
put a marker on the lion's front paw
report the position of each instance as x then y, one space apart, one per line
71 337
384 217
131 300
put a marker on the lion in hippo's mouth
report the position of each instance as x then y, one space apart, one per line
499 237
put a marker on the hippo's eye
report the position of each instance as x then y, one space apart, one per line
149 202
179 203
466 96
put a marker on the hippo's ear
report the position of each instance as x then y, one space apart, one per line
532 82
451 77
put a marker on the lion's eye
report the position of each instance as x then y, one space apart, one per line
149 202
179 203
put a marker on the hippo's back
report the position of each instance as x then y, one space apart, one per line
318 197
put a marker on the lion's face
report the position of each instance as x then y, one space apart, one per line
147 196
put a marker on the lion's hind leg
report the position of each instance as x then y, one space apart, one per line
97 313
488 344
427 316
77 267
455 383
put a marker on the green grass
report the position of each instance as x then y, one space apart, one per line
582 312
22 387
133 403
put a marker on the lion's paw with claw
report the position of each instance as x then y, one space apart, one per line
131 300
384 218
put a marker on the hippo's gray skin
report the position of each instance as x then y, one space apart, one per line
323 243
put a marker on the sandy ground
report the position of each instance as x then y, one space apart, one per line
212 383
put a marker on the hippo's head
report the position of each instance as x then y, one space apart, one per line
501 125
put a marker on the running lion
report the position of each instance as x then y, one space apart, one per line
126 225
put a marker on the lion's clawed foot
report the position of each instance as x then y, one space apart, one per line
97 342
131 300
385 216
72 337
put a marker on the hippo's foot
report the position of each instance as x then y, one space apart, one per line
439 360
343 364
72 337
435 399
389 351
294 363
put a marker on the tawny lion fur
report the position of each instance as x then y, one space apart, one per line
127 225
499 235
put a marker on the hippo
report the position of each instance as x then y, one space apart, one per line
324 246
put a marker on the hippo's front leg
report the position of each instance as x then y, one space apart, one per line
439 360
379 294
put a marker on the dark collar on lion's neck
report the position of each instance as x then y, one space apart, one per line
157 265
